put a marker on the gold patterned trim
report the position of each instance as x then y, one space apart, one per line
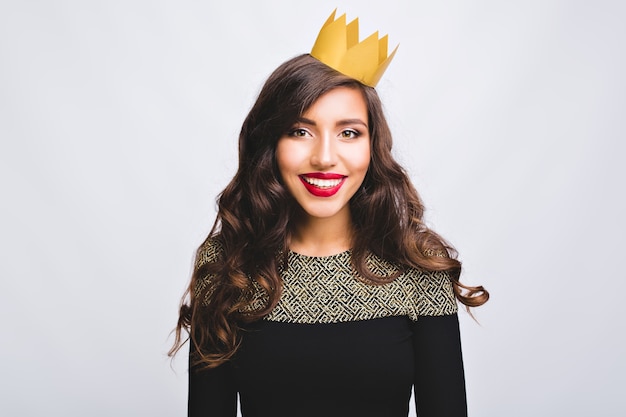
326 290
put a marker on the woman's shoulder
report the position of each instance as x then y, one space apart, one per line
432 291
210 251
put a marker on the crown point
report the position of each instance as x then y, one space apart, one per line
352 37
382 48
338 46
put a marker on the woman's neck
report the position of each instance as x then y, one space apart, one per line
322 236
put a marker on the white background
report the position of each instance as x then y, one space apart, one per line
118 127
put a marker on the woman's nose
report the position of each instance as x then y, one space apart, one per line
324 153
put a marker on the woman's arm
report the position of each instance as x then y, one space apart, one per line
212 392
439 376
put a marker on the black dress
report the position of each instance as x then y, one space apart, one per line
335 346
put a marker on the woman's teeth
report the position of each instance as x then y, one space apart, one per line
318 182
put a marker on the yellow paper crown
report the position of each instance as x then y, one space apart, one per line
338 46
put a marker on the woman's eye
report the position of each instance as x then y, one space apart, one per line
349 134
299 133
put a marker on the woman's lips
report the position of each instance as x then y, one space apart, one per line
322 184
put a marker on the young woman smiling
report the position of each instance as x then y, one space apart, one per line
322 161
320 291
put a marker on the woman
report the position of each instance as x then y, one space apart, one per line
320 291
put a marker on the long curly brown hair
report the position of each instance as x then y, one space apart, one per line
256 214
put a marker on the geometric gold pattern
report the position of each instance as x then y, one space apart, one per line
325 289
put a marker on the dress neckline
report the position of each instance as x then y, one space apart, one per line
335 255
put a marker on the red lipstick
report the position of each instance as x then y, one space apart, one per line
322 184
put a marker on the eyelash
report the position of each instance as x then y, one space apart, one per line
353 134
298 132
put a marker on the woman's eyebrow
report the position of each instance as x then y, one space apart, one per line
343 122
351 122
306 121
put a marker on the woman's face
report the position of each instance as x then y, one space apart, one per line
324 157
